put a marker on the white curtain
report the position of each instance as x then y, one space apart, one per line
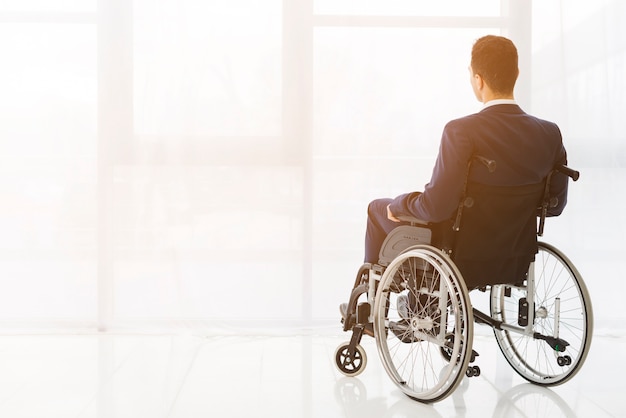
187 164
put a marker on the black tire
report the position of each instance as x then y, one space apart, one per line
350 364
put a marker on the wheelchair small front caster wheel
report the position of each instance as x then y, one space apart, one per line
350 364
472 371
564 360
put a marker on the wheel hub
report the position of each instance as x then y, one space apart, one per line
422 324
542 313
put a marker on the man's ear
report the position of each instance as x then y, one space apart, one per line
480 83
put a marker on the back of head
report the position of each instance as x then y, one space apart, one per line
494 58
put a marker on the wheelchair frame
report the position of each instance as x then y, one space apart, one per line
418 309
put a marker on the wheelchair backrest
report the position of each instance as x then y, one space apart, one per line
492 241
497 237
493 237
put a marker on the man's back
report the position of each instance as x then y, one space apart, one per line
524 147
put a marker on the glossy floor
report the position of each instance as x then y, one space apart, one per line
145 376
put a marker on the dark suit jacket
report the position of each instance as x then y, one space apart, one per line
497 240
524 147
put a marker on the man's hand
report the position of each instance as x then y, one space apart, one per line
390 215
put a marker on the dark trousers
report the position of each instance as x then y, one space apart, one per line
378 226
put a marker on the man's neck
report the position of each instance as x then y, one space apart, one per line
489 96
499 102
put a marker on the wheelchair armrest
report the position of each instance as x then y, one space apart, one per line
412 220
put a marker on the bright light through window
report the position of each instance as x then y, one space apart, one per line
207 70
48 5
409 7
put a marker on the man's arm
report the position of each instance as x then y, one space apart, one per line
443 193
391 216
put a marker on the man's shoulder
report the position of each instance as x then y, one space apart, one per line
547 125
464 121
499 112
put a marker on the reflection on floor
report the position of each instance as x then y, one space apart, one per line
145 376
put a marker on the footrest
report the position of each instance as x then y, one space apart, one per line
557 344
401 329
363 313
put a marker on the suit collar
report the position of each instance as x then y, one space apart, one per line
503 108
499 102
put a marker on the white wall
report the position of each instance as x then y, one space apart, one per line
199 165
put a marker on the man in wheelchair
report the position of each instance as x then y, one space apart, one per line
474 226
524 147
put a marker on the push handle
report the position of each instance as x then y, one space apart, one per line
490 164
553 201
573 174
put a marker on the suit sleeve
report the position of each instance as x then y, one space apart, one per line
442 194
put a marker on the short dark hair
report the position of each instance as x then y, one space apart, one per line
494 58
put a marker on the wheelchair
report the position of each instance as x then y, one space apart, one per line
415 302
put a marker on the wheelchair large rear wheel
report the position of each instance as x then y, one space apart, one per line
562 309
423 323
